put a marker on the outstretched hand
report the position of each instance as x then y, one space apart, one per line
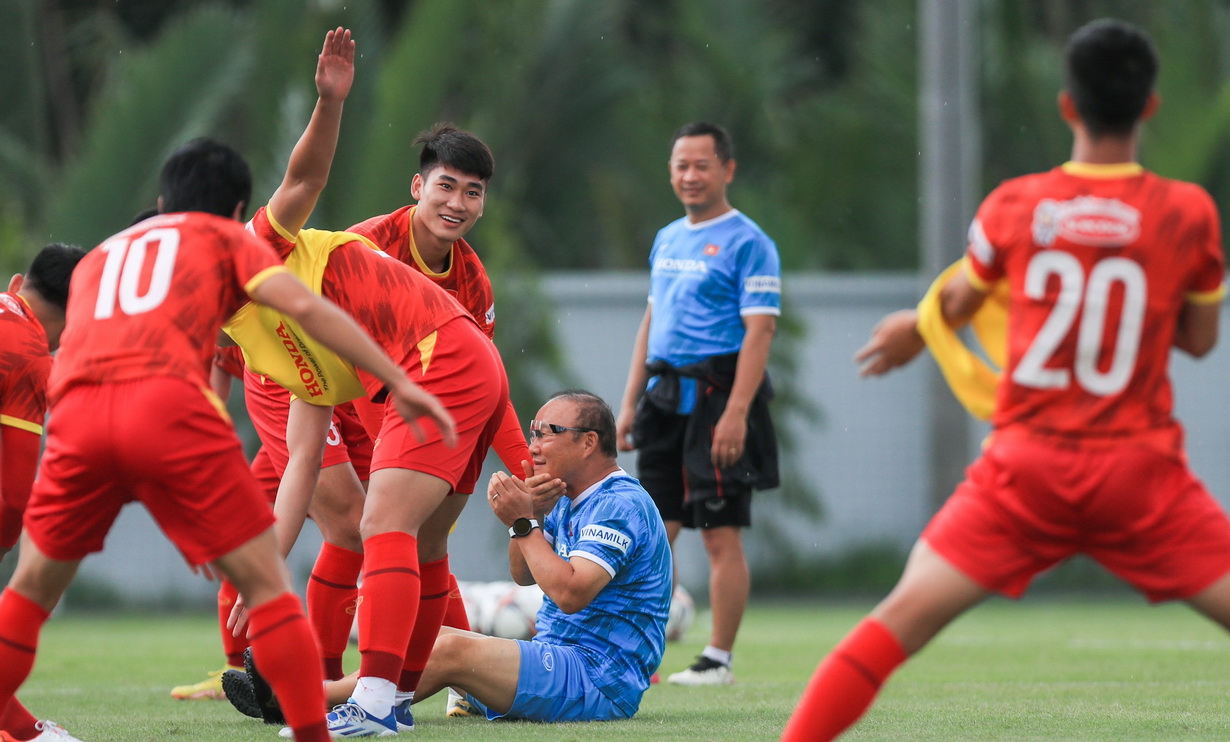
413 402
894 342
335 65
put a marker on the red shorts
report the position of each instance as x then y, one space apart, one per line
160 441
463 369
1028 504
268 406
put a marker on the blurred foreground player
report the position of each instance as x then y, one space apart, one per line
31 321
1108 267
134 419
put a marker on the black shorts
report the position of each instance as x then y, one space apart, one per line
659 466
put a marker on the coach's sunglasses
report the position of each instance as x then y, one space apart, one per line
540 429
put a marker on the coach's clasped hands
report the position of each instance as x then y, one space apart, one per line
532 497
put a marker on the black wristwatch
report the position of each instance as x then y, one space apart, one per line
522 527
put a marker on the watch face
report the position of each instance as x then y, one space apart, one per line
522 526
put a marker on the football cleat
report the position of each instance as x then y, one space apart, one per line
459 706
209 689
349 719
704 671
404 716
271 711
238 690
49 731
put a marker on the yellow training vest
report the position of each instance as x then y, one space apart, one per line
277 347
972 380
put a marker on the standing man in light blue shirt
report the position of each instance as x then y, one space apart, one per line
696 401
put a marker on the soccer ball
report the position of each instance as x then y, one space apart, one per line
682 613
514 611
504 609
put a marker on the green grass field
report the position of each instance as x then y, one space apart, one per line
1113 669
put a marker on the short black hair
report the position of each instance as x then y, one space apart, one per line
594 413
1110 69
445 144
204 175
51 271
142 215
723 144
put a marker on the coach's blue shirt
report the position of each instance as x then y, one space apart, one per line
622 633
704 278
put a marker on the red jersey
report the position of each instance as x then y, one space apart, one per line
151 300
230 360
1100 261
397 305
465 277
24 364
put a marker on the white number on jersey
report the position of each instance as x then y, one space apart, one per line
1090 299
121 274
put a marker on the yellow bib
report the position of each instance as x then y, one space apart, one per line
277 347
972 380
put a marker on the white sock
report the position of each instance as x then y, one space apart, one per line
717 655
402 696
375 696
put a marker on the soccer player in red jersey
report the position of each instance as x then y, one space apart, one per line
450 188
134 419
1109 266
31 321
327 485
408 498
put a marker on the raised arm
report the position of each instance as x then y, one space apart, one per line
308 169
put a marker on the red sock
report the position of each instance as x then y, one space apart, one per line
455 615
17 721
285 650
388 603
331 593
232 645
21 619
433 602
845 683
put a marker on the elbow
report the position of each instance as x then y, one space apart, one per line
570 605
570 601
1198 348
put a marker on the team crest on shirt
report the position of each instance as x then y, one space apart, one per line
11 304
1086 220
712 249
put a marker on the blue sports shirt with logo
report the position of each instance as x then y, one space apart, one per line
622 633
704 278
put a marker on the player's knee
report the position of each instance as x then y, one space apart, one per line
449 652
723 543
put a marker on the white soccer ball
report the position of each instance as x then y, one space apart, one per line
514 611
503 608
682 614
